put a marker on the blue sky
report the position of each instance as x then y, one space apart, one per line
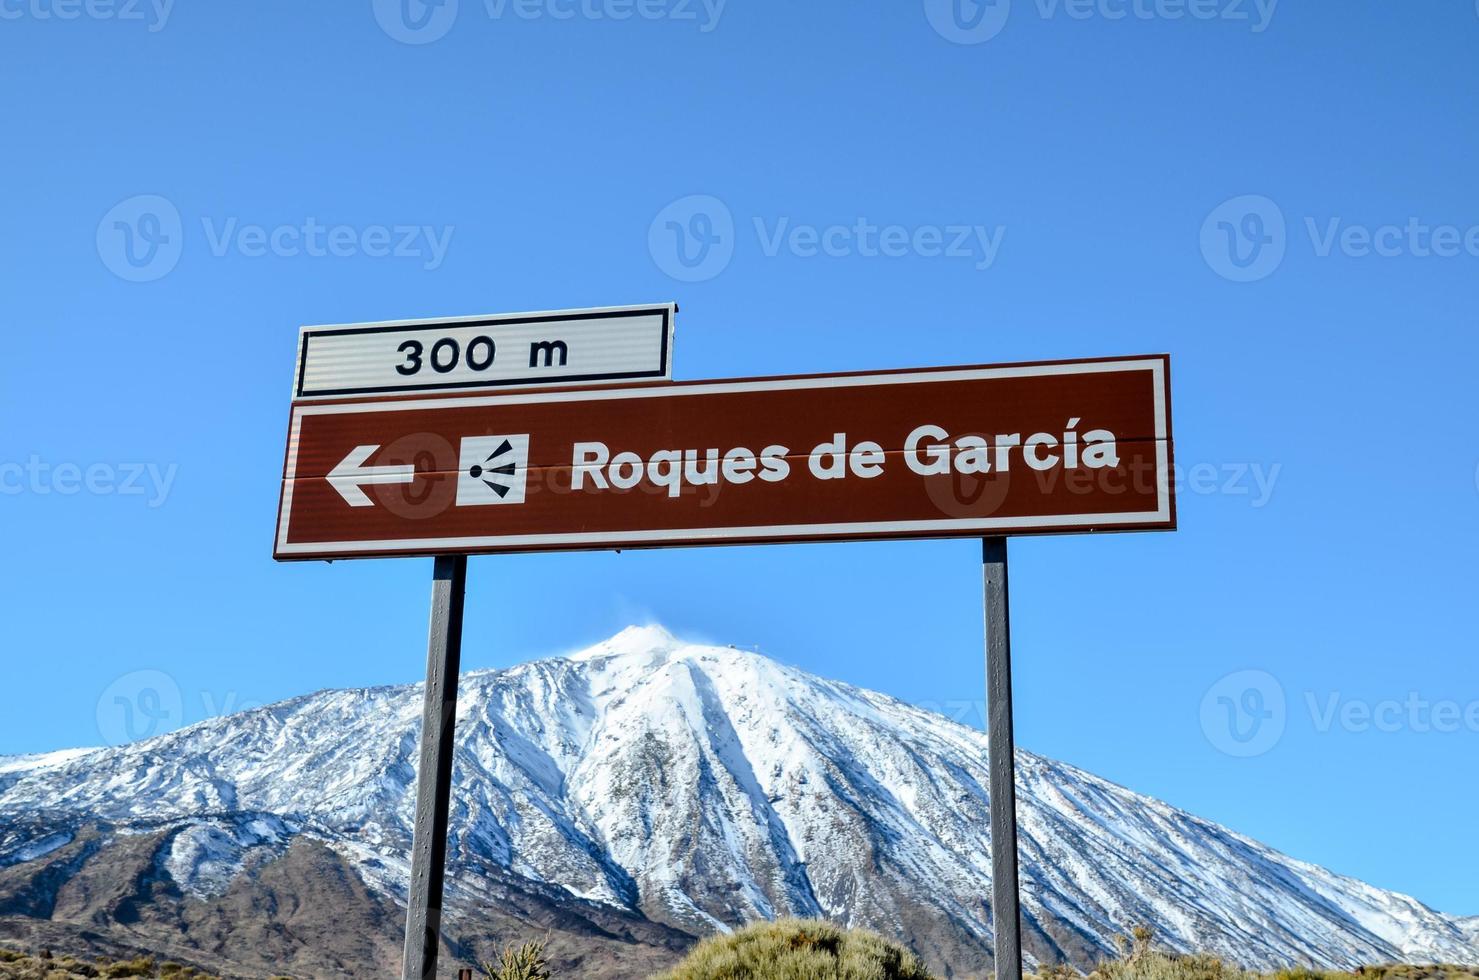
1282 198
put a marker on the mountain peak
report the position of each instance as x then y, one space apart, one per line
641 640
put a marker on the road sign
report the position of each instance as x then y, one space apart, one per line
973 451
623 343
1006 449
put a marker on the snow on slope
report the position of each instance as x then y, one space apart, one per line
704 787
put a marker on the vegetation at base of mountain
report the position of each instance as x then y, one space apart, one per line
798 949
44 965
788 949
1140 960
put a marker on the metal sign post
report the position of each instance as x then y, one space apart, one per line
1006 921
434 770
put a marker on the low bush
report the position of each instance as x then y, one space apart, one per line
795 949
1140 960
16 965
524 962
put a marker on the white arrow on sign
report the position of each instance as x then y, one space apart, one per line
352 473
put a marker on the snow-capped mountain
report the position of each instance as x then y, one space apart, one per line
656 790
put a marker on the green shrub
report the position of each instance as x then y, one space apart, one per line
1140 960
795 949
139 967
1304 973
524 962
1058 971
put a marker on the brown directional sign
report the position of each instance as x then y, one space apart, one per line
969 451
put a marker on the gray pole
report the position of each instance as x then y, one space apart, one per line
434 770
1005 912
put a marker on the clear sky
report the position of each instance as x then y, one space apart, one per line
1100 157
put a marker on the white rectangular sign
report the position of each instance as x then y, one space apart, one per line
560 348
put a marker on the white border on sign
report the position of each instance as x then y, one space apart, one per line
668 310
1156 367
